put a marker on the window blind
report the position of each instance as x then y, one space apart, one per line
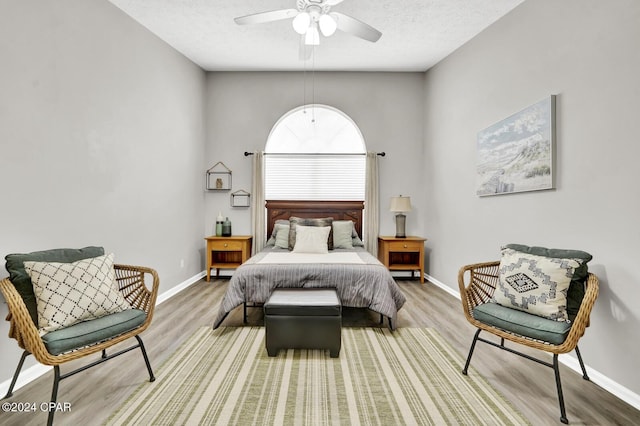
315 177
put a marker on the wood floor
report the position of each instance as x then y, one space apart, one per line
94 394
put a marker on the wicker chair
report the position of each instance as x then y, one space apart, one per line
477 284
131 283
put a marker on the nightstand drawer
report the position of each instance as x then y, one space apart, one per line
405 245
223 245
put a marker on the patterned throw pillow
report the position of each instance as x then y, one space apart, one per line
293 221
68 293
535 284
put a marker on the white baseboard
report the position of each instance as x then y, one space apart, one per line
603 381
444 287
177 289
28 375
595 376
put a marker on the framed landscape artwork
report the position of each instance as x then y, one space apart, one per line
517 153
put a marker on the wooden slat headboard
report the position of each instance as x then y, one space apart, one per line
338 210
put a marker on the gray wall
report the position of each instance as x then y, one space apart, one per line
102 138
101 141
242 108
586 52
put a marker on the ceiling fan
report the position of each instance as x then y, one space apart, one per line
313 15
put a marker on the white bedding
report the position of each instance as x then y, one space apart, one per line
289 258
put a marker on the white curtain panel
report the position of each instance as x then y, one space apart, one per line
371 205
258 215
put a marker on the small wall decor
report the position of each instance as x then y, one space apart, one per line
517 153
218 177
240 198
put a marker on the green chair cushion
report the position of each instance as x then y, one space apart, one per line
93 331
575 294
21 280
522 323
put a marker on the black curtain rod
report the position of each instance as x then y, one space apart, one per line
381 154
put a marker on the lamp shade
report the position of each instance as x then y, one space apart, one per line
400 204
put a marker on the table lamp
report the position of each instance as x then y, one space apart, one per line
400 205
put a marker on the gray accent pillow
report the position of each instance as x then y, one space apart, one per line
355 239
293 221
272 238
342 234
282 236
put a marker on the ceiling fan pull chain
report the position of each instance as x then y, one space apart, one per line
313 84
304 78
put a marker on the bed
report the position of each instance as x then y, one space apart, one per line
360 280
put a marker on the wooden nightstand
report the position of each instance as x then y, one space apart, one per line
227 252
402 254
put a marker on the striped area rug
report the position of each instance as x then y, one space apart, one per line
407 377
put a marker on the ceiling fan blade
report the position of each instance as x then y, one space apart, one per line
355 27
262 17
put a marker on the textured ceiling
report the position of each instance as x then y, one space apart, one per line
416 34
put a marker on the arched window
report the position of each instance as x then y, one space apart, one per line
315 152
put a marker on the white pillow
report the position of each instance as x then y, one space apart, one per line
342 234
68 293
535 284
311 239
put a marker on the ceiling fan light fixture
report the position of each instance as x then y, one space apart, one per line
328 25
301 22
310 17
312 38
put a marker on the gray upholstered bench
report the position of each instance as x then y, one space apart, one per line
303 318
